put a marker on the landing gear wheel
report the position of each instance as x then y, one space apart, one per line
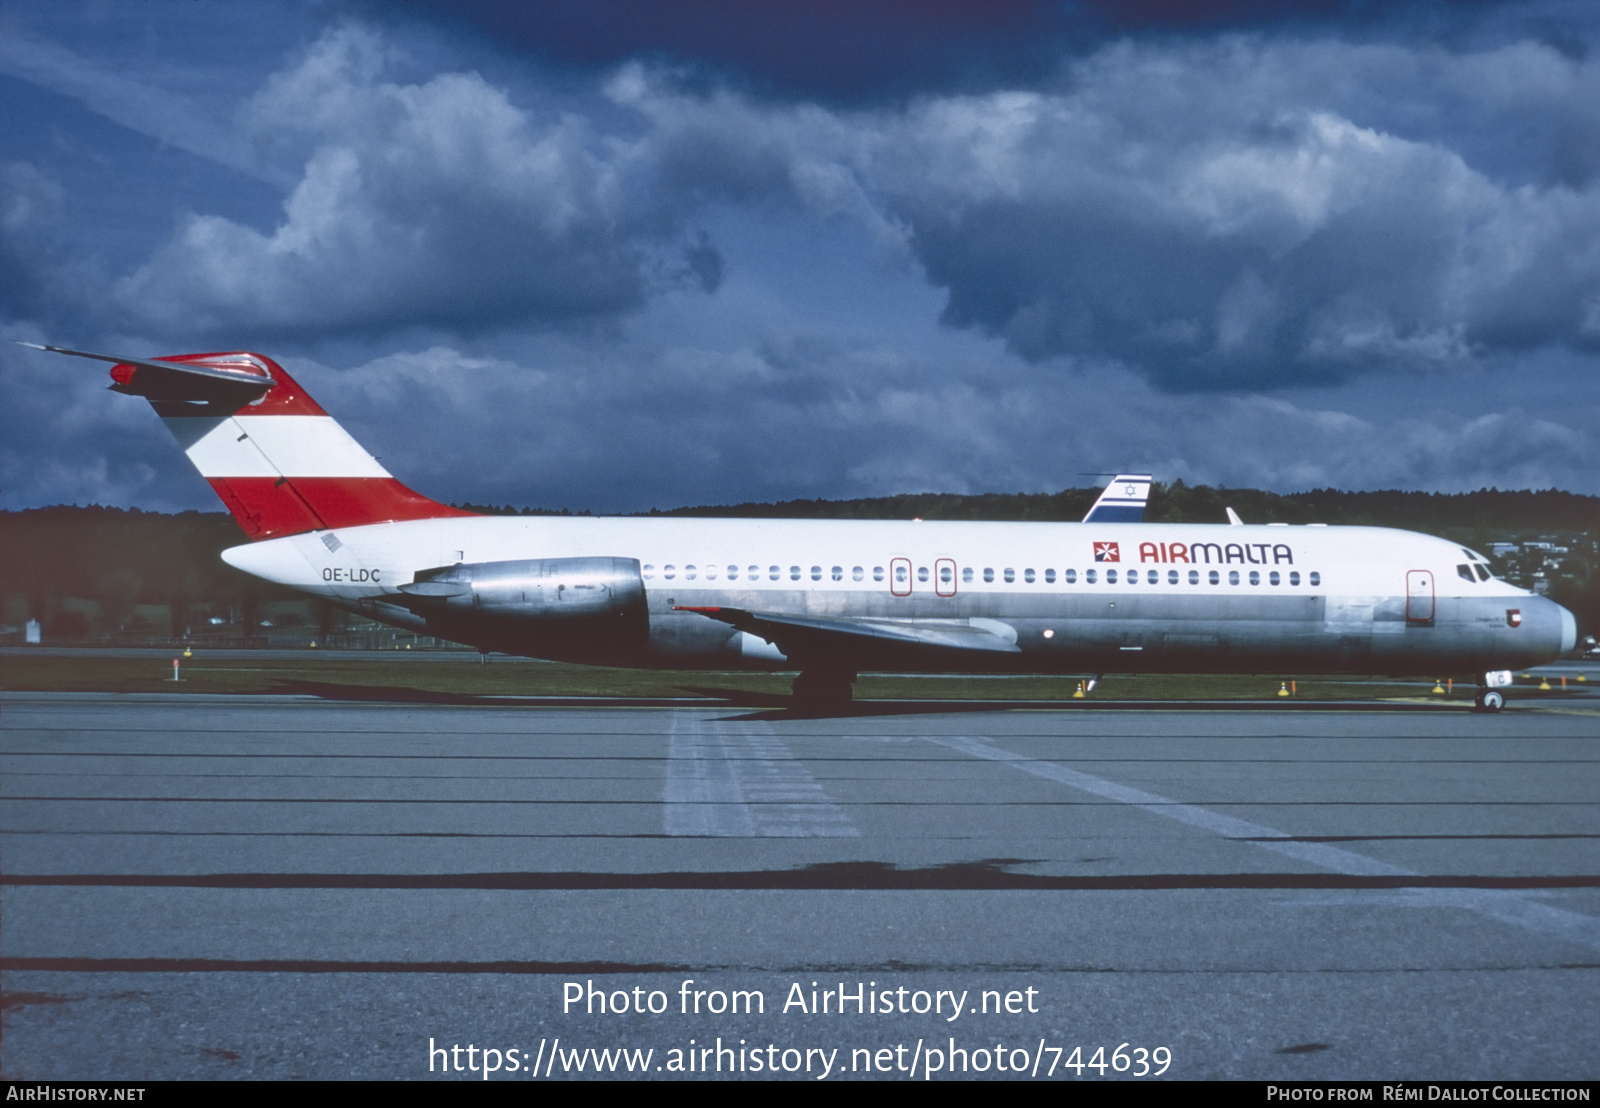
1490 700
823 690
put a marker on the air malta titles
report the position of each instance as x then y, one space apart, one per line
1202 553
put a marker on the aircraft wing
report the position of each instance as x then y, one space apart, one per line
845 639
1122 501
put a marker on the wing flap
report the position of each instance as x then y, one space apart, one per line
802 636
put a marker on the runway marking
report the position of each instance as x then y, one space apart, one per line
742 785
987 875
285 965
1504 906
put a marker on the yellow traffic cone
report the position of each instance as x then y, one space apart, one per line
1544 684
1283 688
187 653
1079 694
1438 687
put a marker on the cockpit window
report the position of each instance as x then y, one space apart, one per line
1465 573
1483 574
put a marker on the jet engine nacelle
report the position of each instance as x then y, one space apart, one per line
548 607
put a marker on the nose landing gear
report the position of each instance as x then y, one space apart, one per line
1489 700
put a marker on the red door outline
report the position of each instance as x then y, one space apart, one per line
1419 595
941 566
898 566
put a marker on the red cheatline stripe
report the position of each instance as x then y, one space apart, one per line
267 508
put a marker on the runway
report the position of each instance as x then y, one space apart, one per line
237 886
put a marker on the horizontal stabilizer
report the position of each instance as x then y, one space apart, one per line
835 637
224 379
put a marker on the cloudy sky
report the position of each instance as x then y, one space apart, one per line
628 255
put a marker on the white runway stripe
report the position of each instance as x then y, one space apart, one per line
1518 909
742 785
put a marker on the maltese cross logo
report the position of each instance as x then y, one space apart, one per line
1106 552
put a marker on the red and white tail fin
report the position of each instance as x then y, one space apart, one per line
278 461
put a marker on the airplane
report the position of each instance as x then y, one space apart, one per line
829 598
1121 501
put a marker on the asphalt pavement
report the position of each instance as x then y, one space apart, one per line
242 886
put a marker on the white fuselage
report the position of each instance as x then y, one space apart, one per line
1072 597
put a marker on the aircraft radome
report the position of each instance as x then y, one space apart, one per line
832 598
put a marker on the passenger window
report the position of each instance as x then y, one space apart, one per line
669 572
947 575
794 573
1272 578
838 573
773 573
1133 576
755 572
988 574
1027 576
1071 577
857 573
733 573
816 573
711 573
1233 577
1294 577
1315 578
1153 577
900 575
1255 578
648 572
688 573
1010 575
966 575
1194 577
922 573
1212 577
1049 576
1088 576
877 573
1111 576
1172 577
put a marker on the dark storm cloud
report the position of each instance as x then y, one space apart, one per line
434 203
1229 212
1234 258
855 51
818 418
835 50
1209 214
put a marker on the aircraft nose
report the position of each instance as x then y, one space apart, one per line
1555 621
